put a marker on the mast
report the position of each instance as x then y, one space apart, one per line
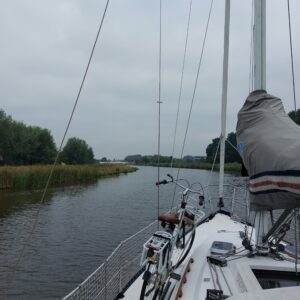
259 44
262 221
224 101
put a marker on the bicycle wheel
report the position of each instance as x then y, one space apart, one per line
151 289
183 251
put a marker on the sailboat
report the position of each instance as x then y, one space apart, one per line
231 258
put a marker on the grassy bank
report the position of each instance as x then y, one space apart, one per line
35 177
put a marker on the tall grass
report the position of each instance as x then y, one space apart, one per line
35 177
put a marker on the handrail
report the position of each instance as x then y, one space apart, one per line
115 274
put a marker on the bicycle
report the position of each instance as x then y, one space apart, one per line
166 250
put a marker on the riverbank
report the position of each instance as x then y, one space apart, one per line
35 177
228 167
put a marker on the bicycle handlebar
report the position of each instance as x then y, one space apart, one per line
161 182
165 181
172 179
187 189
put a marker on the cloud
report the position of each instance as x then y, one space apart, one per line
46 45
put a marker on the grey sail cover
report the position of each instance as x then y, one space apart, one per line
269 143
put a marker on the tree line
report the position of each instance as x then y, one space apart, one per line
231 154
147 159
152 160
29 145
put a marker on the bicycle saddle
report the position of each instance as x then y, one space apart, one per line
170 218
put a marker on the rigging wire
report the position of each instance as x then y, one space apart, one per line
181 81
14 268
234 147
214 162
196 81
211 274
226 281
159 107
292 57
258 231
250 239
194 94
217 276
210 174
251 75
296 240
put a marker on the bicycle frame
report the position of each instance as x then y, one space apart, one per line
159 243
158 250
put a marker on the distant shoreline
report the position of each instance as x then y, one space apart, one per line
36 176
228 167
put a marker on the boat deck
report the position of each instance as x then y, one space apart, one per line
236 280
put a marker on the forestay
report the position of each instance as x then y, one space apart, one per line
269 143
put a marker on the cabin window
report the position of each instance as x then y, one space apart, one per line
270 279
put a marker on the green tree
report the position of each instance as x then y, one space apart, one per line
5 136
211 150
295 116
19 152
77 151
23 145
42 146
231 154
133 158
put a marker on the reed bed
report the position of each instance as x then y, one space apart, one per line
114 169
35 177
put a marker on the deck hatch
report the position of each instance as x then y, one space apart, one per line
270 279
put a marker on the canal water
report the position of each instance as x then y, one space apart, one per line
76 228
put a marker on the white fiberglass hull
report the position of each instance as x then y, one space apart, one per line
236 280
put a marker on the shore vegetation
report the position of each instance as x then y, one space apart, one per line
35 177
228 167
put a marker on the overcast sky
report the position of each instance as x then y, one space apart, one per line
45 45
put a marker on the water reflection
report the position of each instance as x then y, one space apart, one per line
12 201
76 230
